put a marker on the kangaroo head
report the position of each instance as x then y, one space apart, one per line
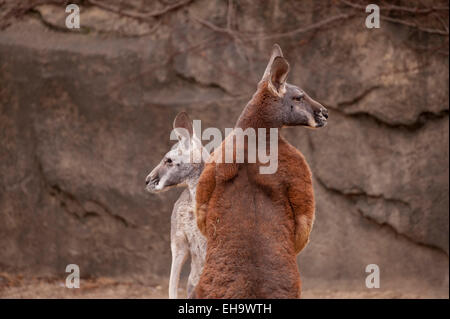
289 105
183 163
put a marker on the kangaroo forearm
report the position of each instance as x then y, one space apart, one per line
201 208
303 228
205 188
301 199
200 213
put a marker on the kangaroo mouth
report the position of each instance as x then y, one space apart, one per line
320 120
151 185
321 123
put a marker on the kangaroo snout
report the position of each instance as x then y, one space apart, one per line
320 116
324 112
151 181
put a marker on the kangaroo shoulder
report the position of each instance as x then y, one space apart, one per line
183 203
294 163
223 170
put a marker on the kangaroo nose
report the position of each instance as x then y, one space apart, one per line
148 179
152 178
325 112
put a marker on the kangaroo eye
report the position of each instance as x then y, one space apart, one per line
169 160
298 98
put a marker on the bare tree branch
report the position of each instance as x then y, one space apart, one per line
308 28
392 7
412 10
139 15
252 37
414 25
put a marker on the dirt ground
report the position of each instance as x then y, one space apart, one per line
17 287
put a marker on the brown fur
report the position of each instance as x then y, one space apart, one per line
255 224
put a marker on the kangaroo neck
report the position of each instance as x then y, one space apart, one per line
260 112
192 186
192 181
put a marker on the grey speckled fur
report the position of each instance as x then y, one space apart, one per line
185 238
176 169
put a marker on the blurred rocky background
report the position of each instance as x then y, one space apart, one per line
86 114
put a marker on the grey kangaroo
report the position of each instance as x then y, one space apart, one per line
178 169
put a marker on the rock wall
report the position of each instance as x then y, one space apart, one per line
85 115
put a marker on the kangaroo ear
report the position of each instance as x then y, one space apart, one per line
182 127
182 121
276 52
278 74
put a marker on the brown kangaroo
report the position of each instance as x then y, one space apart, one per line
256 224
